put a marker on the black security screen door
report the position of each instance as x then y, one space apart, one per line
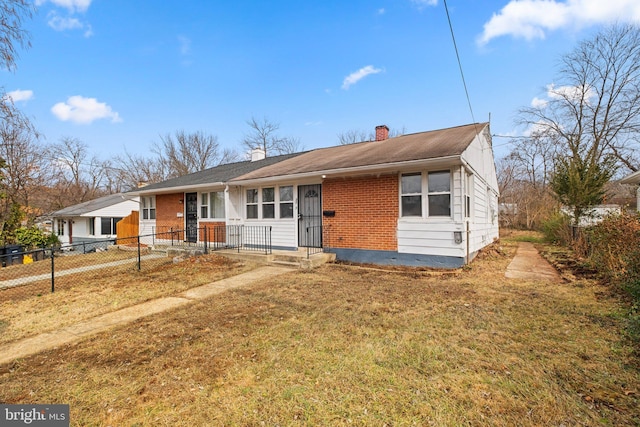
191 213
310 216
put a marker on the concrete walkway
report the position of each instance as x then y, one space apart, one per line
528 264
69 334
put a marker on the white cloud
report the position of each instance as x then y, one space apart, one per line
59 23
532 19
20 95
424 3
70 5
356 76
573 93
185 45
381 11
538 102
79 109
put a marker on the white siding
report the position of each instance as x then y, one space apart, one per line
428 237
283 232
119 210
431 236
484 220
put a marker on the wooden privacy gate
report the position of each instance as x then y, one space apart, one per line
127 229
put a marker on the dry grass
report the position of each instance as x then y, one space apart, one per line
349 346
83 296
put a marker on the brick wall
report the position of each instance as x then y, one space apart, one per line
215 233
366 212
167 208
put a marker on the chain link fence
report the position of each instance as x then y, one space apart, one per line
32 273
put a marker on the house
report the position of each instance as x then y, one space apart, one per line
93 220
633 179
424 199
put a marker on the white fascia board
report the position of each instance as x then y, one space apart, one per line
634 178
355 171
179 189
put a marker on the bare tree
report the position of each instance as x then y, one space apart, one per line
184 153
593 112
13 37
523 180
263 134
24 169
79 176
132 171
176 155
353 136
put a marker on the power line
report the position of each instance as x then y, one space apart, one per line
455 46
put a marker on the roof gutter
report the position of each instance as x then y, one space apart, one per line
177 189
353 171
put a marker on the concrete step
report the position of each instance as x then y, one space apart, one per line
292 264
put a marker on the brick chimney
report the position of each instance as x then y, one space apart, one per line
382 132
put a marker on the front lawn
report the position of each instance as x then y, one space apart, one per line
344 345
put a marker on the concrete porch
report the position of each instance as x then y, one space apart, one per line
294 259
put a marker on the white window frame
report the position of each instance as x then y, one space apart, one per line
424 195
148 208
255 203
468 194
277 203
439 193
60 227
206 203
282 202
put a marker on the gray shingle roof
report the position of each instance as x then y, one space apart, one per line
217 174
92 205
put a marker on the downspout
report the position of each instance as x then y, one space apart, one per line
468 243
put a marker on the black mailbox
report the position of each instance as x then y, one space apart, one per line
329 214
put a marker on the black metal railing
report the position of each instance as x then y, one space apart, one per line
254 238
314 240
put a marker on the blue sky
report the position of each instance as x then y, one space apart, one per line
117 74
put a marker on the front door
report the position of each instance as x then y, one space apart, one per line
191 214
310 216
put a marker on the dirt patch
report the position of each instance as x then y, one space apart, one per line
86 295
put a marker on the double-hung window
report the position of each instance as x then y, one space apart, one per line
468 186
411 187
212 205
268 202
425 194
149 207
439 184
252 203
286 201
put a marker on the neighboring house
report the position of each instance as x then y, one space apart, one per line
424 199
633 179
595 214
93 220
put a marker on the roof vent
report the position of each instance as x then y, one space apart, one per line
382 132
258 154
